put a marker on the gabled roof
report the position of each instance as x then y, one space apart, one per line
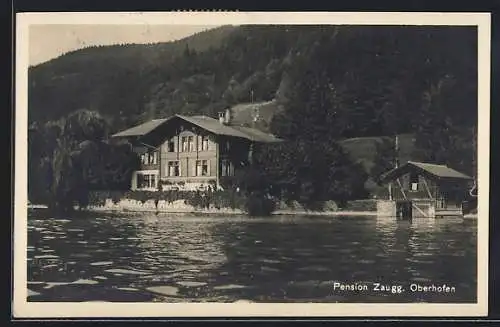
141 129
213 125
207 123
437 171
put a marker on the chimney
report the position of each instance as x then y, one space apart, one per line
227 117
222 119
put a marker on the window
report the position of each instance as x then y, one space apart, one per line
228 145
149 158
414 182
173 169
146 181
191 143
201 167
227 168
184 144
140 181
204 143
153 158
171 146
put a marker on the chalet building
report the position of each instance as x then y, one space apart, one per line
418 189
191 152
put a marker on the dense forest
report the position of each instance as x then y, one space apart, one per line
330 83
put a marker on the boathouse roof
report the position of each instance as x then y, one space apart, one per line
207 123
433 170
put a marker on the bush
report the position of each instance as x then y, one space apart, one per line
258 204
330 206
197 199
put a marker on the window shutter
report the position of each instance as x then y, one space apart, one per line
208 167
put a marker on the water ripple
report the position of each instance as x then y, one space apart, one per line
133 257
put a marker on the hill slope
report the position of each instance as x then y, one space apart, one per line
364 150
99 77
312 82
379 74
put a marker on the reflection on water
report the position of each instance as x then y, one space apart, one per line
169 258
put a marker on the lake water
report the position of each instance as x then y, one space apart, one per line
182 258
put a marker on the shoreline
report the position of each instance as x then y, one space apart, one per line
230 212
236 212
324 213
225 211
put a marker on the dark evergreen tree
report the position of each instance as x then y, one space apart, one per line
386 158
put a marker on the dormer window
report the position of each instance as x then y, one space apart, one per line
221 118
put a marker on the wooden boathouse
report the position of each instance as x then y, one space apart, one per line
418 190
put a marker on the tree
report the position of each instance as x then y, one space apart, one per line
385 158
69 158
441 137
309 172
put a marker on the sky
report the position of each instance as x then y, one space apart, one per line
50 41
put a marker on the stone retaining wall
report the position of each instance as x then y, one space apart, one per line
163 206
386 208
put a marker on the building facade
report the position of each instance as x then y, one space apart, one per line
418 189
191 152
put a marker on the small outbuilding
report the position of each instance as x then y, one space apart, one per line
418 189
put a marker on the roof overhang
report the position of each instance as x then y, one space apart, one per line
141 129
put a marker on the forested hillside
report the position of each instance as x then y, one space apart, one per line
331 83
